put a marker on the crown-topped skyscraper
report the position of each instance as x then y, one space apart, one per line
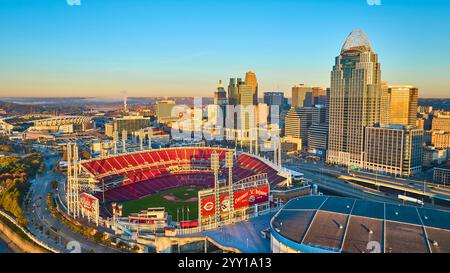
354 99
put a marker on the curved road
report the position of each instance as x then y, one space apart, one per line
37 212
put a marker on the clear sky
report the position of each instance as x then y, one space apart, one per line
183 47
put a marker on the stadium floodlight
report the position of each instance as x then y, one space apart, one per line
215 161
229 157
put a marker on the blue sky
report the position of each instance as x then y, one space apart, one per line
182 48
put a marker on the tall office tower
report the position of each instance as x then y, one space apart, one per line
164 111
274 99
403 105
441 122
293 124
302 96
393 149
319 95
221 101
220 95
248 109
233 91
250 79
385 103
354 100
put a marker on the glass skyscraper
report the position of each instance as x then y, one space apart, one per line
354 101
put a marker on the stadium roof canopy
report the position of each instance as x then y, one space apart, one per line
337 224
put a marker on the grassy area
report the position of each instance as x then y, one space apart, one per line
158 200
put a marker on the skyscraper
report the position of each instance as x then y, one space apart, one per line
403 105
233 91
385 103
274 99
319 96
250 79
247 115
293 124
354 99
220 95
220 102
309 116
302 96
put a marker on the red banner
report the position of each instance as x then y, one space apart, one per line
242 199
249 197
88 202
208 206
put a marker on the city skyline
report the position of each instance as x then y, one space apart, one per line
84 51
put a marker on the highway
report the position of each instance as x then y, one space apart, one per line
38 213
398 181
322 176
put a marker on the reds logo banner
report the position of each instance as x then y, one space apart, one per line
88 202
208 206
242 199
246 198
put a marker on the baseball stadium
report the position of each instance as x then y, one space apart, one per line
182 181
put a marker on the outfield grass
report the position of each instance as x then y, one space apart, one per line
157 200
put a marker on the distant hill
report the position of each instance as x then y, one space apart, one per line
15 108
12 109
443 104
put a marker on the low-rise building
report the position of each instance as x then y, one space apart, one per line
433 156
442 174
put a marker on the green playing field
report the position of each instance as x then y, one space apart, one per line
157 200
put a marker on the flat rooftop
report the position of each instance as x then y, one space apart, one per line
338 224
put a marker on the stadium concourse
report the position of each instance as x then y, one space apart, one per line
132 176
336 224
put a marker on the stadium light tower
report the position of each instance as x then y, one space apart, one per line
141 139
115 140
72 187
150 138
229 156
124 141
215 169
257 141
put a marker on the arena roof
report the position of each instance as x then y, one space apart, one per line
338 224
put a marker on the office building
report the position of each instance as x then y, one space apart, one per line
275 99
164 111
393 149
441 175
403 105
233 91
292 124
354 101
131 124
441 122
433 156
318 139
440 139
248 109
302 96
250 79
